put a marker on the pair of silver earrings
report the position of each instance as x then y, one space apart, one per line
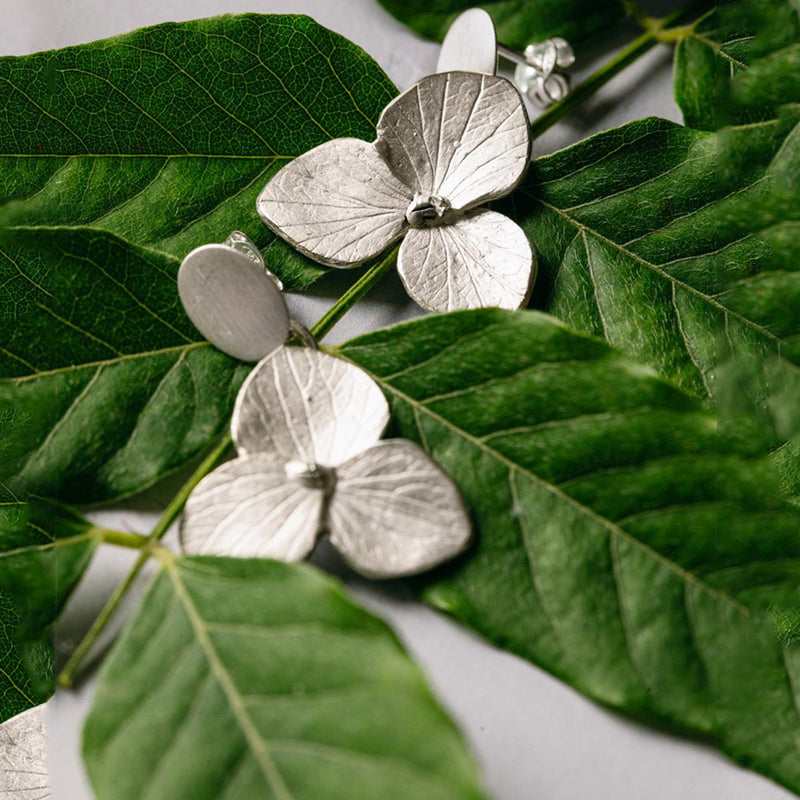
307 425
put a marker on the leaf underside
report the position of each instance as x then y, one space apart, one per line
258 679
643 551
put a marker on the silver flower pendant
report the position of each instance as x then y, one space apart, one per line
451 143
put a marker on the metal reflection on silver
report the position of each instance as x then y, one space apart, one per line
307 427
233 299
23 758
451 143
471 45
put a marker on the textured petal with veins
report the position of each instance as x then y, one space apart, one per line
23 758
338 203
482 260
303 405
251 508
459 136
395 512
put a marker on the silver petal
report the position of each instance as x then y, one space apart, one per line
233 302
470 44
303 405
23 758
338 203
394 512
251 508
482 260
459 136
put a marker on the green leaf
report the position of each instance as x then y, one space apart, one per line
518 22
165 136
44 550
644 239
117 386
622 543
256 679
740 64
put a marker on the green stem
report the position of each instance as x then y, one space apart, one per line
353 295
146 546
133 541
656 32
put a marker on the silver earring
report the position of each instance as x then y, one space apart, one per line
444 148
307 428
471 46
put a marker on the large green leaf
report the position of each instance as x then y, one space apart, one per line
165 136
623 544
115 385
257 679
518 22
44 550
740 64
645 239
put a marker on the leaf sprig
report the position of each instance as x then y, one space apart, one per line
653 564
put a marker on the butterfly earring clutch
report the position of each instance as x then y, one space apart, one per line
445 147
307 428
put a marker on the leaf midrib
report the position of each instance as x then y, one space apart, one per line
66 541
235 701
585 229
109 362
584 510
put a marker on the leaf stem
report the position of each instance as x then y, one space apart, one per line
353 295
146 546
133 541
656 32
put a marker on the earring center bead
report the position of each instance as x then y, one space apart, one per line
425 211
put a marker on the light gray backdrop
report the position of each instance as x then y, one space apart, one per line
535 738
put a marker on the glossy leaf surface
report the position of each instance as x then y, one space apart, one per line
44 550
117 385
92 136
622 543
648 237
256 679
740 64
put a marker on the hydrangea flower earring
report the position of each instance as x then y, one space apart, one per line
307 426
451 143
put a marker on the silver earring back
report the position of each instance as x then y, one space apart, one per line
471 46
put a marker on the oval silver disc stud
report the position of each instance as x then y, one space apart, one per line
233 301
470 44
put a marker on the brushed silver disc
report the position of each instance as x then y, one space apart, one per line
233 302
470 44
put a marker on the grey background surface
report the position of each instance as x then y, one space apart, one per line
535 738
